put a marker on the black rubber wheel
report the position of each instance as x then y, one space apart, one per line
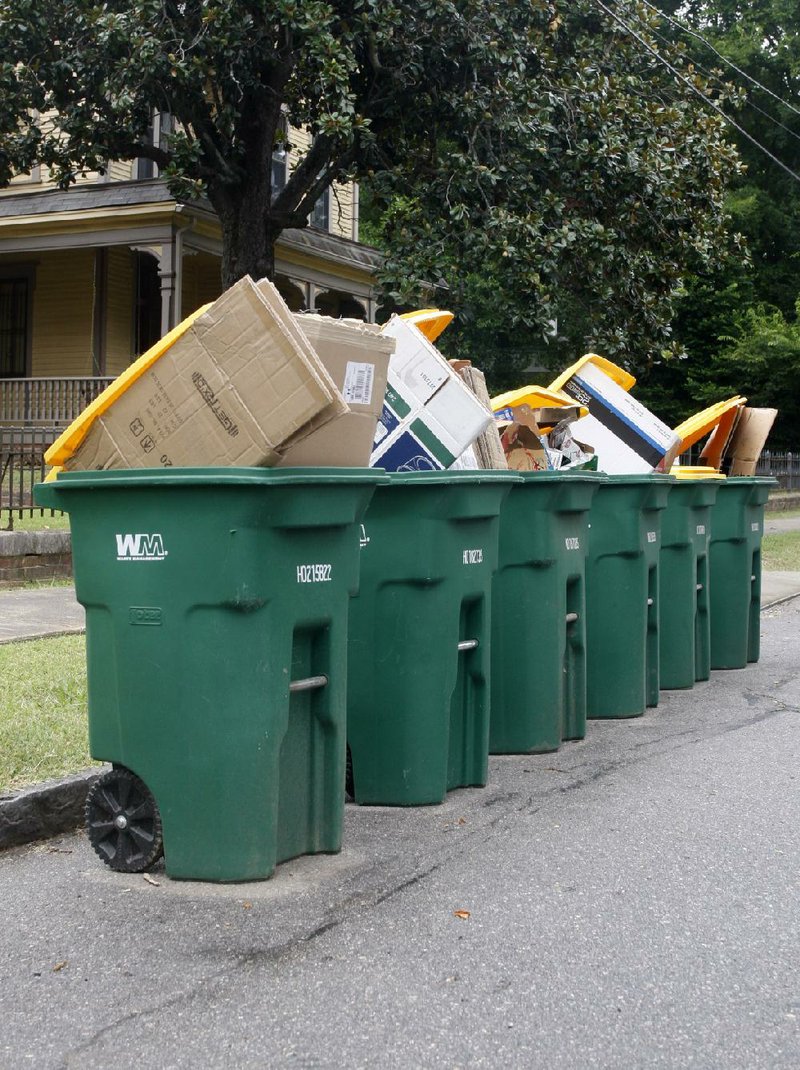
349 788
123 822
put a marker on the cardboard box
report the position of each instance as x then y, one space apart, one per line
748 440
429 416
524 450
356 355
234 387
626 436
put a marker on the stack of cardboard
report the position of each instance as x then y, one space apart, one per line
240 382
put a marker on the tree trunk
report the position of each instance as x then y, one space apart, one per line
248 235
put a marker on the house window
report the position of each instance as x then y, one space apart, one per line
156 134
321 214
14 298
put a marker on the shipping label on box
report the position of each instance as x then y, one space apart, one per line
356 356
429 415
626 436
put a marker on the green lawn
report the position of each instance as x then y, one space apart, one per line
59 522
43 725
781 552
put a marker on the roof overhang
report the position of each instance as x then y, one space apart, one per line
144 212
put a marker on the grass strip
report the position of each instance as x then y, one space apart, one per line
781 552
43 722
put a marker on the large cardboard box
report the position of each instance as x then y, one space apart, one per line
356 355
429 415
231 386
626 436
748 440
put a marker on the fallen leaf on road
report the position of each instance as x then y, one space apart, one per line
247 904
462 821
151 880
60 965
463 914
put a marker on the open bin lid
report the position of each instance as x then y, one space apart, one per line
430 321
536 397
613 371
699 425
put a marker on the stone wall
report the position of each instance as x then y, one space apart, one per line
34 555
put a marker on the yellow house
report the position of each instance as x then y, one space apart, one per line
92 276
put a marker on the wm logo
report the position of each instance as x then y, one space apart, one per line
140 548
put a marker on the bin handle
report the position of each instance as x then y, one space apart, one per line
310 683
571 618
467 644
699 586
649 601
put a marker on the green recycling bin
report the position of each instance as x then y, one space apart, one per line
216 635
419 645
684 619
737 527
622 593
538 614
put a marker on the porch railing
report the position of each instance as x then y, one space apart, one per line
52 400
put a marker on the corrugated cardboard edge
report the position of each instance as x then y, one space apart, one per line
275 303
488 448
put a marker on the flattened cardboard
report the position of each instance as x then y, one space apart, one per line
356 356
231 390
719 440
626 436
429 416
748 441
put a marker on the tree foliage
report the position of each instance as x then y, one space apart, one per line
723 312
535 159
569 221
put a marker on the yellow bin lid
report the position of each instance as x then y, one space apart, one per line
695 471
699 425
431 321
613 371
538 397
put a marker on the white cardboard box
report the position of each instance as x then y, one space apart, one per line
429 416
627 438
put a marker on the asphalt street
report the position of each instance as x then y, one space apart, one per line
630 901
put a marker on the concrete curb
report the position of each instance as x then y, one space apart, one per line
45 809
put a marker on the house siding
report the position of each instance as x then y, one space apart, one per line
201 282
119 321
62 313
342 200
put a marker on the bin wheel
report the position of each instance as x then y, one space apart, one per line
349 787
123 822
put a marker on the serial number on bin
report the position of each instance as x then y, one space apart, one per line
572 542
472 557
314 574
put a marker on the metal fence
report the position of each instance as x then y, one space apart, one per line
22 464
47 400
783 465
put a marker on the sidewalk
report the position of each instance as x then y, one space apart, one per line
34 614
31 613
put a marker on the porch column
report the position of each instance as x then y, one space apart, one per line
171 275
